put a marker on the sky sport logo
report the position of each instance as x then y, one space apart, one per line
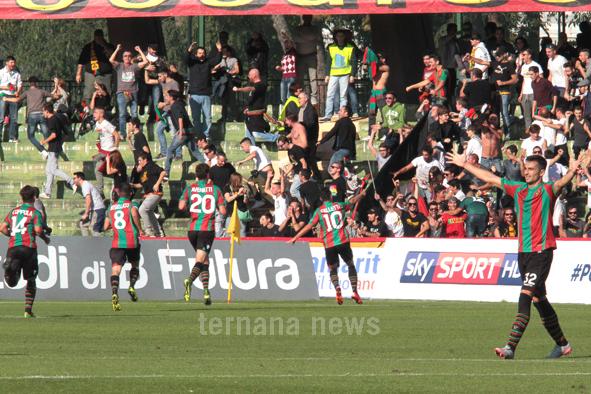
461 268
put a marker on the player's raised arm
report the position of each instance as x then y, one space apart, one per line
478 172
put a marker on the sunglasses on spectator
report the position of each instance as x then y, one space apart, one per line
412 203
572 213
433 209
509 214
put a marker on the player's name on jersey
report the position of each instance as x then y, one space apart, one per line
330 209
120 206
25 212
198 189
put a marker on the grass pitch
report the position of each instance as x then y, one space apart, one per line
284 347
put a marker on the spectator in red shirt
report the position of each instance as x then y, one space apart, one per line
454 225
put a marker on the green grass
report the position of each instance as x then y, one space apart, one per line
160 347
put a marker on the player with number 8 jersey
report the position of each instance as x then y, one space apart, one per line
203 199
22 225
331 216
124 219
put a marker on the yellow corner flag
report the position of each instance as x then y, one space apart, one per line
234 231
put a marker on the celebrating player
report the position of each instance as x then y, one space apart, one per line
22 225
534 203
124 218
203 199
331 216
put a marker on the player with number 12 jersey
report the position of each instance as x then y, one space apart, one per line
124 219
204 200
331 216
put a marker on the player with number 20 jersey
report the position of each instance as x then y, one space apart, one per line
331 216
204 200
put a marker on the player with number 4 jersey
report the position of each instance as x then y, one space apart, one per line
22 225
203 199
124 219
331 216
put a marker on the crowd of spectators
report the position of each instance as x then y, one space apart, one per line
494 102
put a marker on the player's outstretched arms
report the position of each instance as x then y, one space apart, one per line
300 233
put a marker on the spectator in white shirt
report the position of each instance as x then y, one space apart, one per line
526 96
534 141
556 73
474 145
479 56
11 85
108 142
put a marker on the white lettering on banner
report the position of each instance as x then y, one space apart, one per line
142 280
510 269
470 268
53 262
98 274
166 265
292 272
237 278
419 266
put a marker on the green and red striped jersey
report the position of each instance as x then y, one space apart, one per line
203 198
533 207
331 216
125 232
22 222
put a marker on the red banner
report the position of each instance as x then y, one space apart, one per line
69 9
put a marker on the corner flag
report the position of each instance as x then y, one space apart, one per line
234 231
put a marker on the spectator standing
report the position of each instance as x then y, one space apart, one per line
544 92
436 82
220 174
477 91
341 66
94 63
392 217
287 68
227 75
117 169
100 98
234 190
415 223
93 218
276 190
60 96
11 86
449 49
571 226
308 117
344 133
479 56
556 74
257 129
390 118
297 133
580 130
262 164
374 226
423 164
200 73
526 96
435 223
137 139
127 85
454 220
268 226
257 52
477 211
491 138
504 78
507 228
307 39
108 142
149 179
166 83
54 142
295 221
583 65
184 129
534 140
36 99
382 155
299 161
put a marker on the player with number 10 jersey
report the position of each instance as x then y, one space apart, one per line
331 216
204 200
